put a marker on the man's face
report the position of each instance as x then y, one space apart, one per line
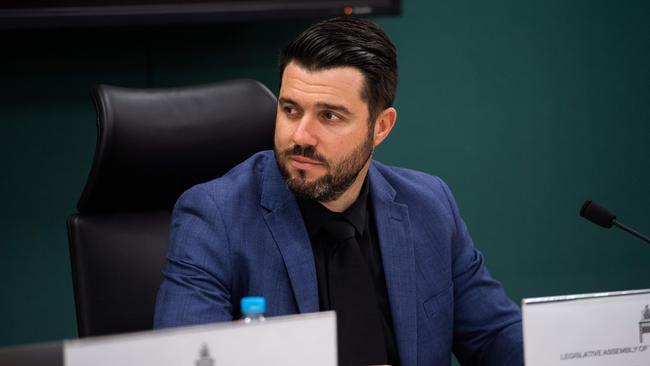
322 136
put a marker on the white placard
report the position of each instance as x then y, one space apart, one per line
307 339
604 329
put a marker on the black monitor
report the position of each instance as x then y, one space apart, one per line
90 13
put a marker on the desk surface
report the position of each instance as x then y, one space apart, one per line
40 354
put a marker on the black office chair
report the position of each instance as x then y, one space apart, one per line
152 144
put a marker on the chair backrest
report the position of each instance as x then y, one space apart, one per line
152 144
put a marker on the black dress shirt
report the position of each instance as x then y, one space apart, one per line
360 216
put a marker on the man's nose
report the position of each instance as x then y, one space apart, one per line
305 132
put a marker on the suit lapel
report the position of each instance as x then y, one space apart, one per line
286 225
392 222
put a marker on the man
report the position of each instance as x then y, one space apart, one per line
318 225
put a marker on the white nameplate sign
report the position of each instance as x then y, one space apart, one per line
604 329
307 339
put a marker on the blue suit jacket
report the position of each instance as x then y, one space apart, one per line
243 234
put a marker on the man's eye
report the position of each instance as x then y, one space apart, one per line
331 116
290 111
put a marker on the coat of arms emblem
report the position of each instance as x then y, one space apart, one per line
644 324
204 357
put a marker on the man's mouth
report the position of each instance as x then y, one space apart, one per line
301 162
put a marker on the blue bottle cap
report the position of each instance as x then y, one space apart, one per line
253 304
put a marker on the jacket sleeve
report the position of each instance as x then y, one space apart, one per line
487 324
196 276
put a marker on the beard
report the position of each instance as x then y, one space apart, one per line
338 178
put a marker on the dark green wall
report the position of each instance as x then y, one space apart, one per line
525 108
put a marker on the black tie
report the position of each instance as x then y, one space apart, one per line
352 295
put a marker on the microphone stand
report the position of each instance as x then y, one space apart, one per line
631 231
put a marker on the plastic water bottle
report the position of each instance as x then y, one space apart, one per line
253 308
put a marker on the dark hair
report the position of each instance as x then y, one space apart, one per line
348 41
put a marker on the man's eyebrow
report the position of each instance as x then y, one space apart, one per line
322 105
283 100
334 107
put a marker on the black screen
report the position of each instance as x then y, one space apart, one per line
66 13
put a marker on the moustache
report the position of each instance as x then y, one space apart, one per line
308 152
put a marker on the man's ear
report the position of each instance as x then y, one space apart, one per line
383 125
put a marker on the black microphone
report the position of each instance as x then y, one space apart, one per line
599 215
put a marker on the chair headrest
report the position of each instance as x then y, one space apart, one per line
152 144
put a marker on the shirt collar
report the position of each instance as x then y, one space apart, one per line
316 215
